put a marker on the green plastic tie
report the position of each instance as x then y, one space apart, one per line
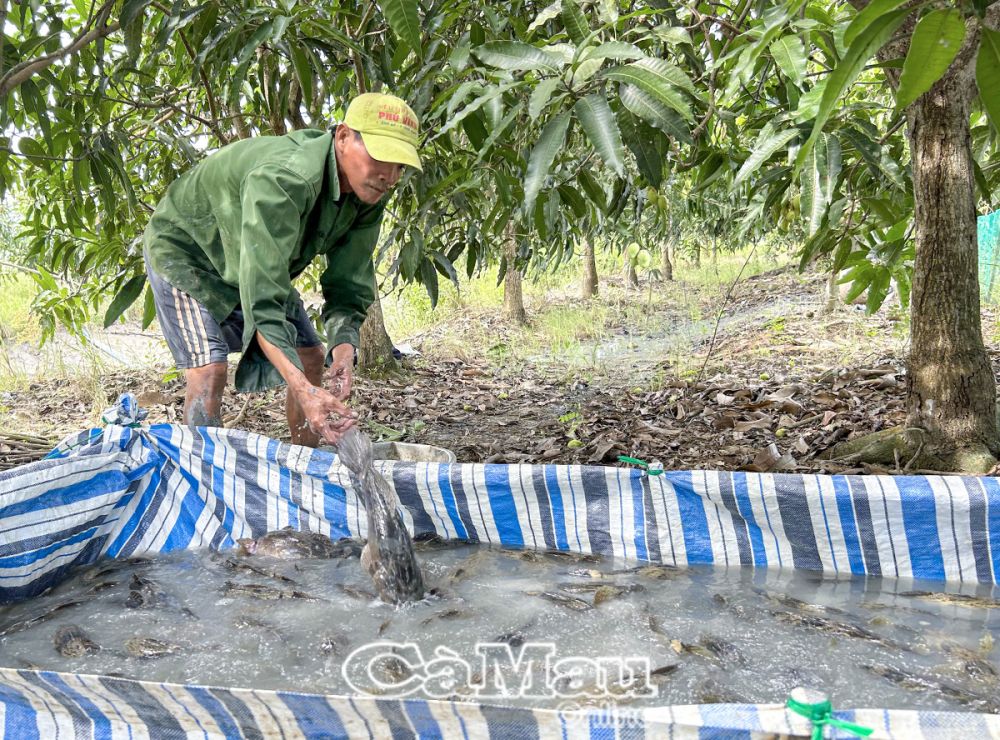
821 714
641 463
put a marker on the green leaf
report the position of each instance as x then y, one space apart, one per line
768 142
933 47
790 55
575 21
490 92
516 56
131 10
34 151
864 20
404 20
571 197
540 96
592 188
652 110
878 289
410 254
869 41
619 50
599 124
550 141
125 298
148 309
607 11
818 179
545 15
303 70
429 277
988 74
653 83
810 101
641 140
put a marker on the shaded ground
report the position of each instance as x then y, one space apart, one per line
782 383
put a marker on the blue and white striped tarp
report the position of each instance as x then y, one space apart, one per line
127 489
37 705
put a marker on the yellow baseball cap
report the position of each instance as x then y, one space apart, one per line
387 125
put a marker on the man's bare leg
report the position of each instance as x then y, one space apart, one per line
312 363
203 400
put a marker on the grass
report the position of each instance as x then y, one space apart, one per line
565 332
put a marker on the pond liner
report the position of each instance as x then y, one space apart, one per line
129 489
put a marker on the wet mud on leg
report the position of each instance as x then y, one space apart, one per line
312 363
203 400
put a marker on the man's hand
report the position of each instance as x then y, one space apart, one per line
325 414
341 372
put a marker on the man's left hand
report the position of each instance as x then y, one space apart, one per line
341 371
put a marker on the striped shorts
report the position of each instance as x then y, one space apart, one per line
193 335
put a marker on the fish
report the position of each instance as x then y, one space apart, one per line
333 644
973 602
570 602
73 642
841 629
107 568
711 648
926 682
711 691
354 592
266 593
434 541
469 565
23 624
144 592
149 647
446 614
608 592
388 555
291 544
245 567
515 637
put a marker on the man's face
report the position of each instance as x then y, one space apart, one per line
367 178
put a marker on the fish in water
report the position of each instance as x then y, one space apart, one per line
973 602
23 624
919 682
73 642
149 647
266 593
242 566
388 556
291 544
570 602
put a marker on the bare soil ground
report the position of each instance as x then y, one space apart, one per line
780 383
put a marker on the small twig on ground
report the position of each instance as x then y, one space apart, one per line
238 419
722 310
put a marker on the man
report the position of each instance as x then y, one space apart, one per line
230 236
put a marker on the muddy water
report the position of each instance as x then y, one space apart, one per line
707 635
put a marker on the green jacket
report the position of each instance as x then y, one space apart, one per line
246 221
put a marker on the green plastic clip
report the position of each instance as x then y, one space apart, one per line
814 706
655 469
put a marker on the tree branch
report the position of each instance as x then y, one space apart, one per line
25 70
209 95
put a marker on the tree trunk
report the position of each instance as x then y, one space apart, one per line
666 266
589 286
376 347
697 255
831 301
950 384
513 300
631 276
